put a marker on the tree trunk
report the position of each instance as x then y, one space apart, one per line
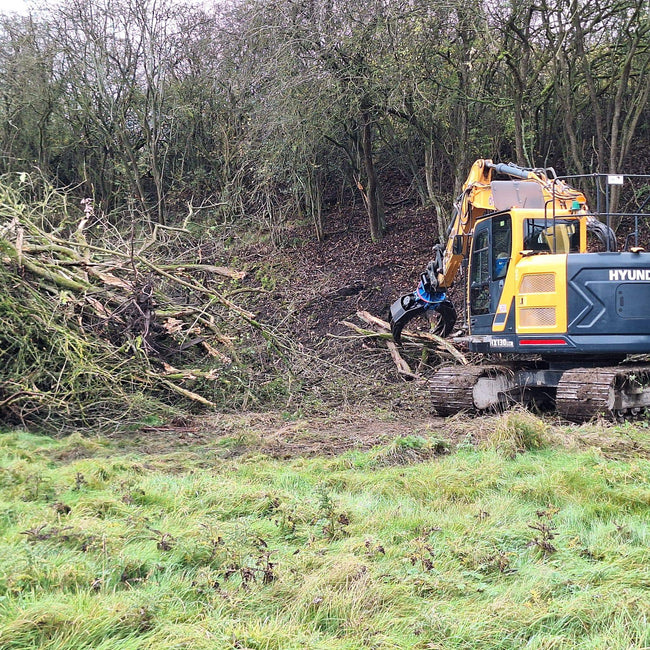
374 200
519 129
591 86
429 171
314 200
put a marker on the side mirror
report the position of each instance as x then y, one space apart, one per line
457 246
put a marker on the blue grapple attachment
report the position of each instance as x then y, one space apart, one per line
425 298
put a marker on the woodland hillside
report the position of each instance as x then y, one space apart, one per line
255 112
194 196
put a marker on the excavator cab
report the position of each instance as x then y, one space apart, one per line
500 242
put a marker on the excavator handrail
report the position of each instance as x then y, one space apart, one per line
521 172
600 214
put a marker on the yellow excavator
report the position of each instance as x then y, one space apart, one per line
562 324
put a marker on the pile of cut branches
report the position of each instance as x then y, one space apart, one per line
97 329
425 343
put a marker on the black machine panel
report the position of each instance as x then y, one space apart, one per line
609 293
632 300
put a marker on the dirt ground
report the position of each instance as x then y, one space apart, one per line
313 287
319 284
279 435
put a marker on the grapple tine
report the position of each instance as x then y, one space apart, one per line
402 311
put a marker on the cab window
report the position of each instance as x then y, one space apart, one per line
480 273
501 246
544 236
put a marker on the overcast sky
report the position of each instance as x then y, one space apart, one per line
20 6
13 5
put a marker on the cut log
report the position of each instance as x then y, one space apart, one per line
367 317
417 337
402 367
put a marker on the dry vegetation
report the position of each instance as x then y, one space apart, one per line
98 328
105 330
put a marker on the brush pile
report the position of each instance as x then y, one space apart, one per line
97 329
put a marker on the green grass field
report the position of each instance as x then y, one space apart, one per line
514 542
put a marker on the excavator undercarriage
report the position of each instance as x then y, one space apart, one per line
578 394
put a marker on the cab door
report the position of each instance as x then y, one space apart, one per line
489 260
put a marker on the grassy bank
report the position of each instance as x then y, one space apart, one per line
414 544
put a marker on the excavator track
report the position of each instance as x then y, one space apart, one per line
614 392
584 393
470 388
